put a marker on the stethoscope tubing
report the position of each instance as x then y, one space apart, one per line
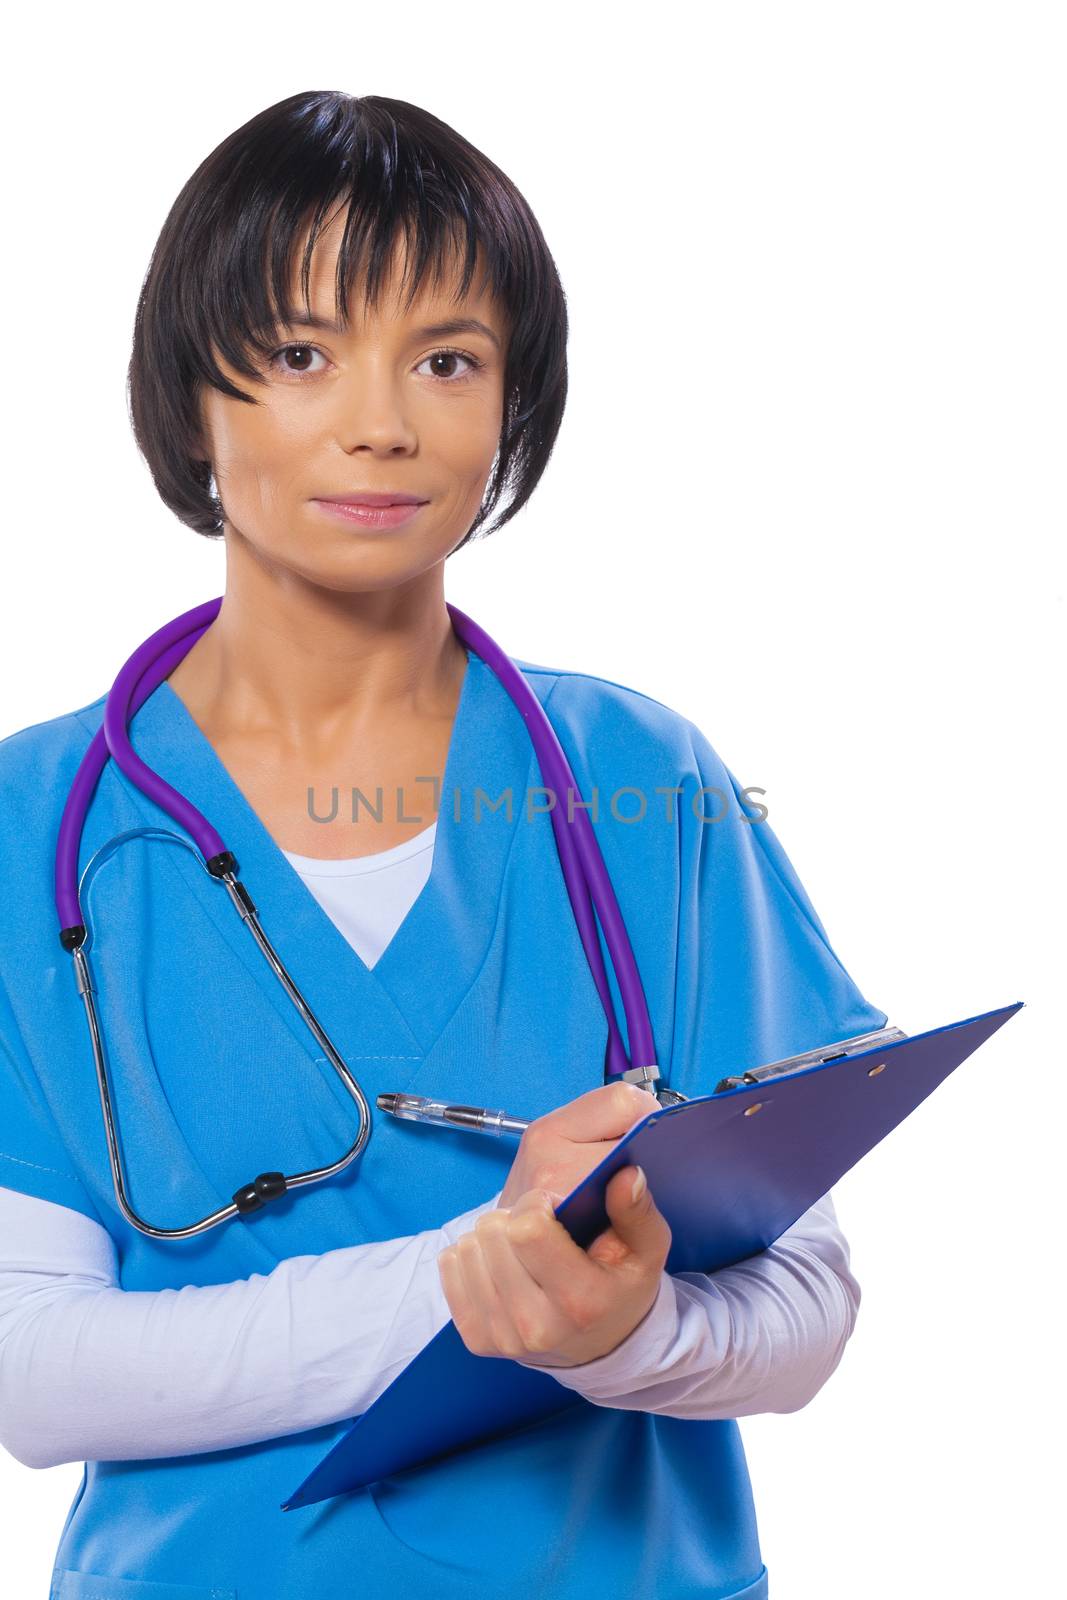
574 836
92 765
585 875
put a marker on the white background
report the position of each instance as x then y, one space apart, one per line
809 491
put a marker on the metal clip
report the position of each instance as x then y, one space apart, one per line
644 1077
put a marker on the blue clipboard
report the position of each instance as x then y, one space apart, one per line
728 1179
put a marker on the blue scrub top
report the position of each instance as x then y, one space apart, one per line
484 995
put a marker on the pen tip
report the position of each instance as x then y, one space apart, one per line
387 1102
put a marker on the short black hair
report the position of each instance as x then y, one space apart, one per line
220 273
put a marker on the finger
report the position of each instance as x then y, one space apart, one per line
635 1217
490 1325
605 1113
608 1249
533 1316
561 1268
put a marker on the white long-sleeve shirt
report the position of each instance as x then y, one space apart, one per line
91 1371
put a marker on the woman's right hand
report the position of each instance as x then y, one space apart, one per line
561 1148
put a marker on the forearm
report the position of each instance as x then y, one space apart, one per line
761 1336
93 1372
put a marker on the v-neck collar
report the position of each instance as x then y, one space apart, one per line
398 1007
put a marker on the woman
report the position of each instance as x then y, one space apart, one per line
282 367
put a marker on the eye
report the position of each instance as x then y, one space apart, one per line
303 350
473 364
303 354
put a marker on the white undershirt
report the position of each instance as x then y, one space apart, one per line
90 1371
369 897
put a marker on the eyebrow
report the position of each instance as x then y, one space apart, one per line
431 330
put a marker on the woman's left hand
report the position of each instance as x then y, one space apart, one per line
517 1285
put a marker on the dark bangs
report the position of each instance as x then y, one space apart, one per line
220 275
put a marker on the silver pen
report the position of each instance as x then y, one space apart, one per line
414 1108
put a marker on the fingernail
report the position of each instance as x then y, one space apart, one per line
640 1184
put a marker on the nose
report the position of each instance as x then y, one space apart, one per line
374 411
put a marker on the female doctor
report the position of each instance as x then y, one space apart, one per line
349 304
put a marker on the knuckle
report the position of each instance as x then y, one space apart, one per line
640 1099
577 1309
624 1096
585 1316
610 1250
467 1331
505 1341
534 1333
536 1136
528 1227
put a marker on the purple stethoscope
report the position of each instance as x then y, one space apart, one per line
586 877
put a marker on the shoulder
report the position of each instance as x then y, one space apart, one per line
600 709
35 757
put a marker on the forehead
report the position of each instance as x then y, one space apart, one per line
397 298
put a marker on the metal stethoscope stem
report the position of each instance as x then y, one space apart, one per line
268 1185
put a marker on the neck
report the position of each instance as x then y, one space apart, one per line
302 664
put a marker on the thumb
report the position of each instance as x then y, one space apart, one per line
635 1217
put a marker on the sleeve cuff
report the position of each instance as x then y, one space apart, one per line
456 1227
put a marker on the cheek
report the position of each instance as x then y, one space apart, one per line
261 465
470 448
462 428
262 438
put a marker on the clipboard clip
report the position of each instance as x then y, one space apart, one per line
811 1058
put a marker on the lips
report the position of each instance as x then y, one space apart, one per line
376 500
391 514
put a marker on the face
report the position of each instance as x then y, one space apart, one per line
385 406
